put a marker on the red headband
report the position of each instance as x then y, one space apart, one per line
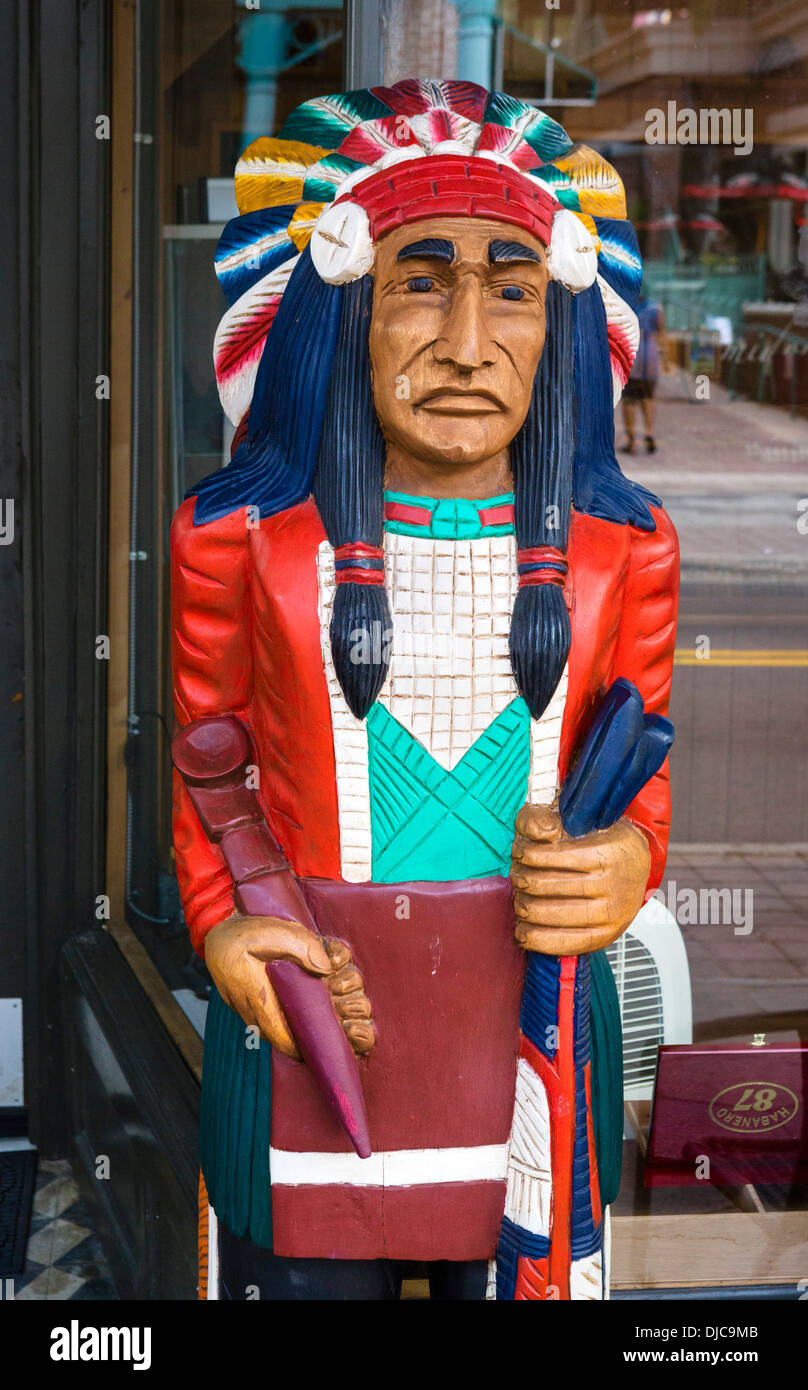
453 185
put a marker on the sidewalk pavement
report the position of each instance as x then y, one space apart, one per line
747 982
732 475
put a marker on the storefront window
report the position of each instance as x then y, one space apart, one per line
211 76
701 110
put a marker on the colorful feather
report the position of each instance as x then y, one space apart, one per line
250 247
372 140
596 182
415 96
240 339
527 126
433 127
302 223
272 172
619 260
623 330
324 178
328 120
560 184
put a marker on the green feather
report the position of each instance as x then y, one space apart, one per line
325 177
539 131
340 164
561 184
547 137
234 1125
318 191
500 109
326 121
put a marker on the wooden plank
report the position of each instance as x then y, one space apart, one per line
182 1032
700 1251
638 1114
146 1122
183 1035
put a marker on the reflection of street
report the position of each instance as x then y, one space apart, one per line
732 474
739 773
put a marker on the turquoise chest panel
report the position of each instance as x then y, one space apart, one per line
437 825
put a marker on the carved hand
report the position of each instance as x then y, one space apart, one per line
572 896
237 952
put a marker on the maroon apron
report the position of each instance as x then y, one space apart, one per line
444 978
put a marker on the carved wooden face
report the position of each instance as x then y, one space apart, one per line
456 335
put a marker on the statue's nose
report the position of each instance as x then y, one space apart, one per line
465 341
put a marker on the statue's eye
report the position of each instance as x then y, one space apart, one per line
420 284
513 292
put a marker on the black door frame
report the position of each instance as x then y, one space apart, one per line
56 64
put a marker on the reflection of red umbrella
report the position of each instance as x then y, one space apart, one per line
793 187
750 186
741 183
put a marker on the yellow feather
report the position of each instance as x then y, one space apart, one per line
272 172
589 223
302 223
597 183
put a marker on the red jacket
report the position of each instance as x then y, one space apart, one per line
247 642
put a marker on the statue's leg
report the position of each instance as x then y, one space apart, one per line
247 1271
458 1280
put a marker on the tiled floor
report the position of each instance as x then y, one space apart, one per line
64 1259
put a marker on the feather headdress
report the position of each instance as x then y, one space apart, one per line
337 154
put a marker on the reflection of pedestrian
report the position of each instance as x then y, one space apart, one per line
643 379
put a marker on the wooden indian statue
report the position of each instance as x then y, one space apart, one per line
410 591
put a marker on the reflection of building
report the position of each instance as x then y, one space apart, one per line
738 57
228 75
273 42
716 228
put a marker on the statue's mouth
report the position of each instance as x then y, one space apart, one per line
448 401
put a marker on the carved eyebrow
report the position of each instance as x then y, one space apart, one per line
511 251
431 248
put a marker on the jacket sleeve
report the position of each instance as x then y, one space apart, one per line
212 673
644 655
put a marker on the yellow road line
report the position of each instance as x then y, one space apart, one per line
751 656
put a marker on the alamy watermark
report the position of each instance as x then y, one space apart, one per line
743 351
710 125
709 907
77 1343
374 643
